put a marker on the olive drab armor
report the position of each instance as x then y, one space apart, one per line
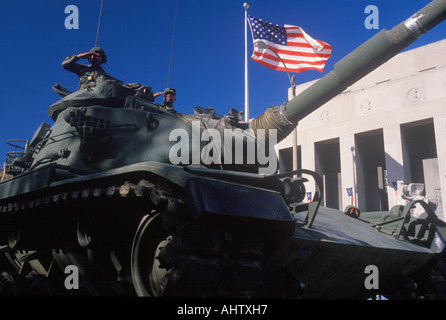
143 201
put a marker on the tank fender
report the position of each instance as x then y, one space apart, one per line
263 211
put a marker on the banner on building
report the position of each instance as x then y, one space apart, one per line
350 194
308 197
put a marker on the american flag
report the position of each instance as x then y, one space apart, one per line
298 50
350 194
309 196
395 187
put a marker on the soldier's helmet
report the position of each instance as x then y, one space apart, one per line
101 51
170 90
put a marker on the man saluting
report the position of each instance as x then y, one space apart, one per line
89 75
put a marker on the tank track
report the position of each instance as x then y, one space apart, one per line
125 239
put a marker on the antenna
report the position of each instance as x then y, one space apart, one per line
171 48
99 23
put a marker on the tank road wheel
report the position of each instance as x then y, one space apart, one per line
13 284
196 259
41 286
144 266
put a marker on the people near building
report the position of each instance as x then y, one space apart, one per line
169 99
89 75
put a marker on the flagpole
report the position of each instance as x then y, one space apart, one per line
246 6
260 44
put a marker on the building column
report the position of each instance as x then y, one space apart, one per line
348 170
440 141
393 150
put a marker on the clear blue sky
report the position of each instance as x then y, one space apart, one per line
208 50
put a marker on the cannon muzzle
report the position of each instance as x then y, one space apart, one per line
357 64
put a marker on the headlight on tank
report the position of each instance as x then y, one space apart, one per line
293 189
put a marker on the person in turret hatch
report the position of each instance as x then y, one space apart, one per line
89 75
169 98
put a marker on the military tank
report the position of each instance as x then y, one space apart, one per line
120 197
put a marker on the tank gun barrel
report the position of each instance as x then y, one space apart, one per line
364 59
367 57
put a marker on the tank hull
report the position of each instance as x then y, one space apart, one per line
328 260
333 258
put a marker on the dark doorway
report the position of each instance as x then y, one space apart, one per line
371 171
286 159
418 144
328 165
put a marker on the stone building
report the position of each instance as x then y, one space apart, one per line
389 126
